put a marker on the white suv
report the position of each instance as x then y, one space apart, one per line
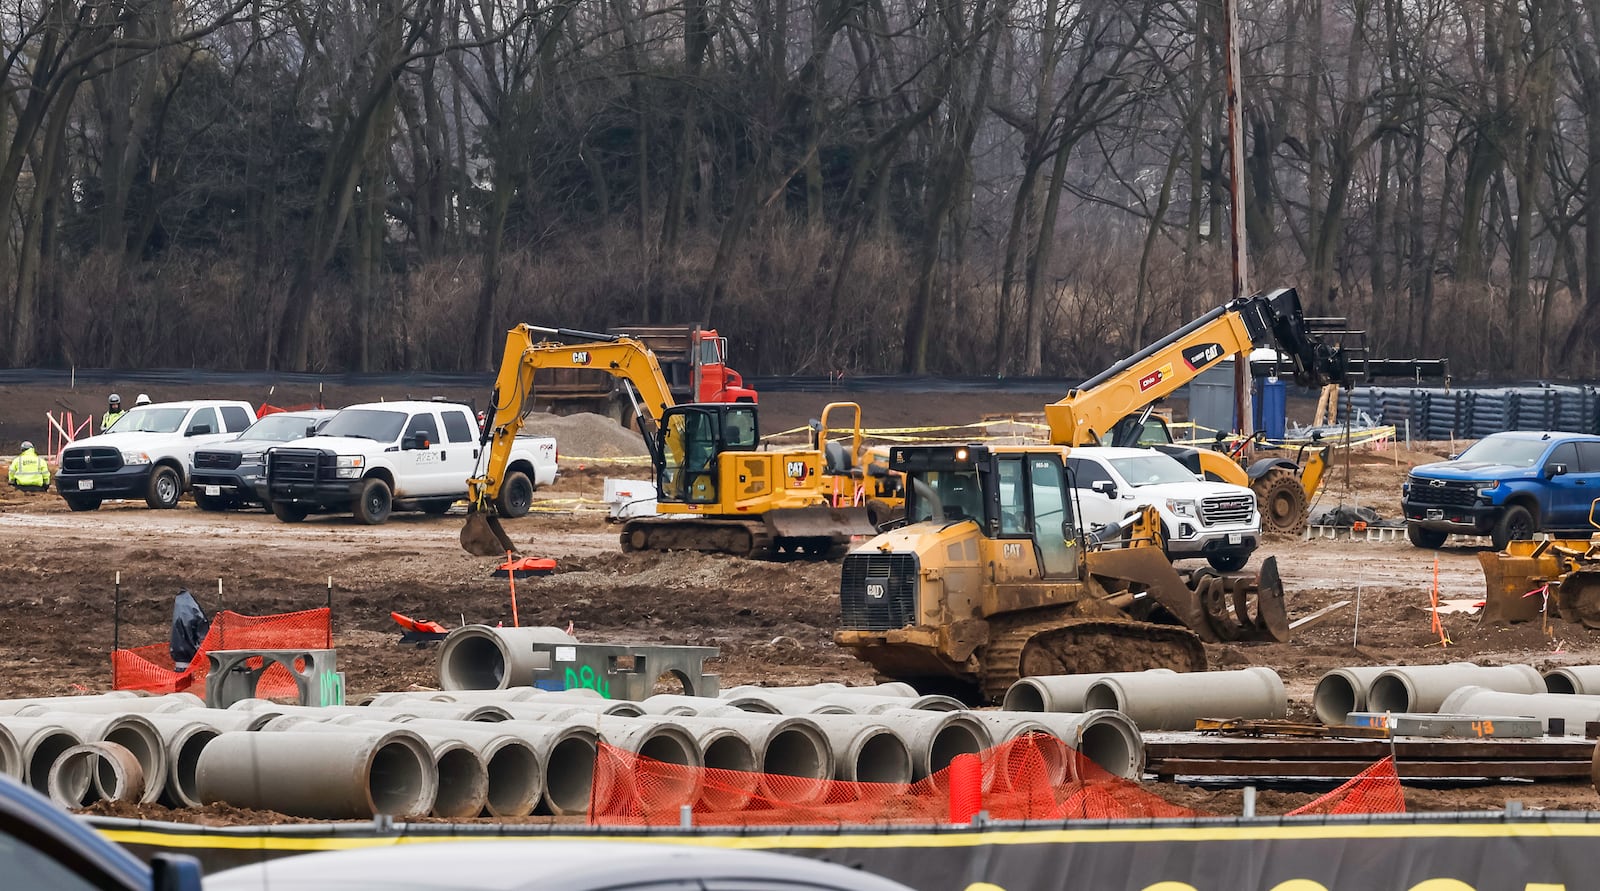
1217 521
147 452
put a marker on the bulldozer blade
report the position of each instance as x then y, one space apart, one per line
1149 568
483 536
1272 615
837 524
1512 574
1578 597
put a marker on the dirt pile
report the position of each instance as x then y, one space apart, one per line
586 435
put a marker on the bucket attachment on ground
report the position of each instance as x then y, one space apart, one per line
483 536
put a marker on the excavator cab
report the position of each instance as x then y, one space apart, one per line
693 436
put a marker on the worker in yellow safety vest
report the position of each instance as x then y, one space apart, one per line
113 411
29 471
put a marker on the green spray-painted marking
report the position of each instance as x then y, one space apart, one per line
586 679
331 684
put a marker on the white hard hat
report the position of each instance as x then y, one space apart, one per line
114 398
26 445
142 400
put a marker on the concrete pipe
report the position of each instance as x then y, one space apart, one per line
814 691
1583 680
733 768
490 697
223 720
1173 702
184 740
778 704
96 705
478 657
659 740
865 749
513 771
1108 738
533 710
1422 688
568 753
871 705
115 771
12 764
39 743
936 738
679 704
15 706
1059 692
134 732
1574 709
463 776
1342 691
337 775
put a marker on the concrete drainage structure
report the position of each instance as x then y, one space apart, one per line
1342 691
339 775
1158 701
1424 688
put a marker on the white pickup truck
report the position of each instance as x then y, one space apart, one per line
1217 521
371 459
147 452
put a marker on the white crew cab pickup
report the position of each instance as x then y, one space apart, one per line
373 458
1217 521
147 452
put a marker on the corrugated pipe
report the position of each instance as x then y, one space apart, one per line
106 704
1173 702
133 732
866 749
1574 709
38 744
1105 736
1342 691
478 657
1060 692
1577 679
1423 688
513 769
340 775
936 738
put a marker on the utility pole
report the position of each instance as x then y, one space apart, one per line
1241 266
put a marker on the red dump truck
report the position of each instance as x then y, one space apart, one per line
693 360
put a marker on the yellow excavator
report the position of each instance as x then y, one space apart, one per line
993 578
715 490
1114 407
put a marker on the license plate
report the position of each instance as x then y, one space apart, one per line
213 490
1435 515
85 484
1235 537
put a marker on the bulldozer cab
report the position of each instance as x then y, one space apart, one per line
1015 497
692 438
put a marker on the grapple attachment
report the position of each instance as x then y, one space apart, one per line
483 536
1218 608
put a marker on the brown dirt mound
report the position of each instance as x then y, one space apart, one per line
586 435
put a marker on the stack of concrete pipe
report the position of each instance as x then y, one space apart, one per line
1158 699
1580 679
1413 688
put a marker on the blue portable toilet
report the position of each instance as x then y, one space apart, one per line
1272 406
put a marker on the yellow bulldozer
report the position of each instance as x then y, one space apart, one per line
1559 577
993 578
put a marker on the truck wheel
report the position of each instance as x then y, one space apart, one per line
1282 501
82 502
1228 561
1432 539
1516 524
436 508
288 512
372 506
164 488
516 495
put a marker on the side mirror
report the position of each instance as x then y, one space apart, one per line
1551 471
198 430
175 872
1104 487
1452 456
417 441
311 430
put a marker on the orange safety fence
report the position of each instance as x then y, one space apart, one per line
1033 777
151 669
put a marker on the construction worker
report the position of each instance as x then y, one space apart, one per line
113 411
141 399
29 471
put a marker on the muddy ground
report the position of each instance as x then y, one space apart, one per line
772 621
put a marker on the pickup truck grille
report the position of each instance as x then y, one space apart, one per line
1226 510
216 460
878 592
1447 493
95 459
296 465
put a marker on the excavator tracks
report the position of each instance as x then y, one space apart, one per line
1056 642
739 538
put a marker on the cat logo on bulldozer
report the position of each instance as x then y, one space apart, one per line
796 470
580 357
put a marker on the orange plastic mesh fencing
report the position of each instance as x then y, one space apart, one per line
1032 777
1375 790
150 668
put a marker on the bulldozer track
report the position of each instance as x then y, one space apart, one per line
1056 642
740 538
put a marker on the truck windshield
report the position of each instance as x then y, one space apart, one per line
1505 450
1152 469
279 428
366 423
149 420
946 494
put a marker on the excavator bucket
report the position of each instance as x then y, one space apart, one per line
483 536
1513 580
837 524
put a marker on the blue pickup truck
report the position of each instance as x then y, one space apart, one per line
1506 486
